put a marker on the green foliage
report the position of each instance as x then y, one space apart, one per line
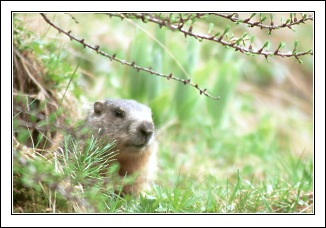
87 159
235 155
58 71
185 99
226 81
82 174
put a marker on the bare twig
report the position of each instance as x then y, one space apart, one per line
260 24
132 64
179 26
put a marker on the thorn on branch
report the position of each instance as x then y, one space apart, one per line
82 41
181 19
186 81
97 47
246 20
260 50
143 17
190 29
232 44
170 76
203 91
233 14
69 35
73 18
291 28
220 38
271 28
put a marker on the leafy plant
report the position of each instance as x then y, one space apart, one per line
247 150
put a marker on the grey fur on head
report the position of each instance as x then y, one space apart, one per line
127 122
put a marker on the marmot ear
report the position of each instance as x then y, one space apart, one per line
98 108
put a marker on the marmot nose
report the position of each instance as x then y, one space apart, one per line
146 129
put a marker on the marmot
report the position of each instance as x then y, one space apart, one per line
130 124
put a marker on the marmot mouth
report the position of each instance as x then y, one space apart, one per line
139 146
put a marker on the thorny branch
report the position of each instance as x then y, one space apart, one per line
287 24
133 64
179 25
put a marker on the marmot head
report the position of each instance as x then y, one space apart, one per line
127 122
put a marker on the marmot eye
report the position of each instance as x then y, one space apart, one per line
119 112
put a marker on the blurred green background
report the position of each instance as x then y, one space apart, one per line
262 127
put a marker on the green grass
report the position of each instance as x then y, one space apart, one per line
237 177
194 177
247 153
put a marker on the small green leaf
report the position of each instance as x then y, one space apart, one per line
217 34
252 15
244 35
271 16
262 18
230 36
210 28
266 44
299 60
266 57
281 45
171 17
296 43
226 29
252 38
295 17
